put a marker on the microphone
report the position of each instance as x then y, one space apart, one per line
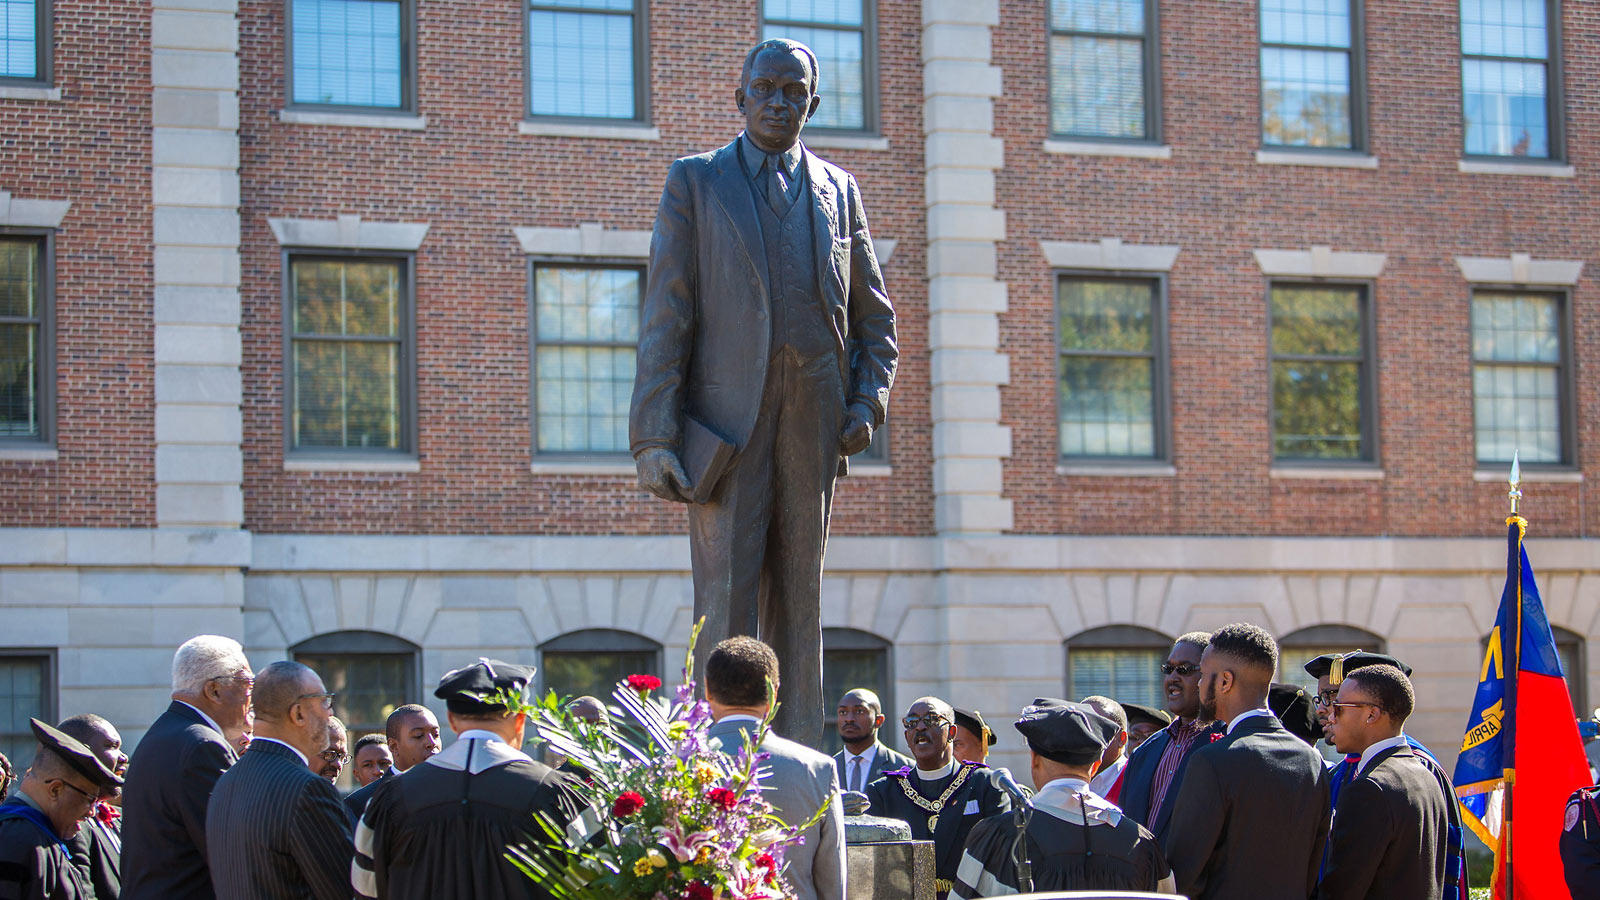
1000 779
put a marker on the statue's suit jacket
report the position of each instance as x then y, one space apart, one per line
705 331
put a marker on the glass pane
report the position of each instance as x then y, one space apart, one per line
19 278
1106 315
1305 98
580 64
19 381
842 73
19 48
369 685
1516 328
1513 28
1316 410
595 673
1291 670
335 297
22 696
348 52
1127 676
1106 407
318 414
372 396
614 5
1104 16
1505 108
583 395
1314 23
844 670
1517 409
1097 86
318 297
1316 321
822 12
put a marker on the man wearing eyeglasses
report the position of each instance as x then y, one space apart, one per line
97 847
941 797
174 768
1390 828
330 762
275 827
57 794
1155 770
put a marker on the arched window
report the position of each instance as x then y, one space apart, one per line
370 673
855 659
1122 662
27 690
1569 646
592 661
1297 648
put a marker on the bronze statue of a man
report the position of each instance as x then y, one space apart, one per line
765 323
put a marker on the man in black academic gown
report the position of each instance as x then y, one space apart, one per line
941 797
57 794
97 848
442 828
1391 827
1076 839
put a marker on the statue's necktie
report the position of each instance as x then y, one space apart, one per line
777 185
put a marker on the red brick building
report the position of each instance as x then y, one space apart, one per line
315 324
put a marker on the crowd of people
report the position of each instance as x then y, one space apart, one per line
1220 794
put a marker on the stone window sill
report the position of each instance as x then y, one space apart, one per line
1307 158
29 92
636 131
356 464
870 469
845 141
1535 476
1113 470
1108 148
29 454
1535 168
399 121
1327 473
583 466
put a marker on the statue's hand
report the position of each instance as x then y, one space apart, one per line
857 431
855 803
661 474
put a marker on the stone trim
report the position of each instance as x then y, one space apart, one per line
349 232
820 140
1107 148
402 122
884 248
181 547
1307 158
1541 169
25 92
1327 473
1116 470
29 454
639 132
1536 476
1110 254
622 467
1519 268
590 239
19 212
357 464
1319 262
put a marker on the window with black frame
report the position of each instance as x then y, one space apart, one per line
1122 662
839 33
27 692
592 661
1103 75
586 59
1308 73
1301 646
1510 78
25 38
1520 377
585 341
1321 373
26 342
1109 386
852 658
350 53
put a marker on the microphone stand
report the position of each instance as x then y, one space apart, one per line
1019 849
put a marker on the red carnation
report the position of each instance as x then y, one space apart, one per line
766 861
627 804
644 682
723 797
1217 737
698 890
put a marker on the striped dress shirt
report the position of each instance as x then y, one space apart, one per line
1180 736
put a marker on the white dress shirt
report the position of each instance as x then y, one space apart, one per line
1370 753
303 760
1258 711
865 761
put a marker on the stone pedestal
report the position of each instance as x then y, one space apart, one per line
883 863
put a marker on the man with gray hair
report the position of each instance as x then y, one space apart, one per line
174 769
1112 760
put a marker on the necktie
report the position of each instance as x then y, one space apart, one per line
777 185
855 774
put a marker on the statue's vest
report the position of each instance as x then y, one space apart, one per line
797 319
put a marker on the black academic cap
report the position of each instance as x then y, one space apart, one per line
1138 712
1292 705
470 690
1335 665
972 720
75 754
1066 732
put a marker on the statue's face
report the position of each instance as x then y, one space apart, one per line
776 100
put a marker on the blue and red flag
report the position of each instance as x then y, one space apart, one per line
1512 791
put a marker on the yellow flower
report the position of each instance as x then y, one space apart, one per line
641 867
677 730
705 774
703 857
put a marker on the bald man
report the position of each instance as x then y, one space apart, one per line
864 758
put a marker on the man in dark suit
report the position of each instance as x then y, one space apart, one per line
1155 770
1391 826
1252 815
174 768
275 828
801 780
764 320
97 847
864 758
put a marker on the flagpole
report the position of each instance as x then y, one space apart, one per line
1514 653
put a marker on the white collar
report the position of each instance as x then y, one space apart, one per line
1072 800
1368 754
303 760
1105 778
476 750
945 772
209 721
1258 711
866 756
739 717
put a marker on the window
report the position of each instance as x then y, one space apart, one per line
585 59
856 659
351 370
1122 662
1308 86
1569 647
26 691
1110 380
1520 382
25 37
1508 86
350 53
591 662
1300 647
838 32
27 345
1321 379
1103 73
585 335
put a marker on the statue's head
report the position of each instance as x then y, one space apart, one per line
777 93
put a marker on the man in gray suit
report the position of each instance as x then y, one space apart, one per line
764 322
864 758
274 827
796 780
